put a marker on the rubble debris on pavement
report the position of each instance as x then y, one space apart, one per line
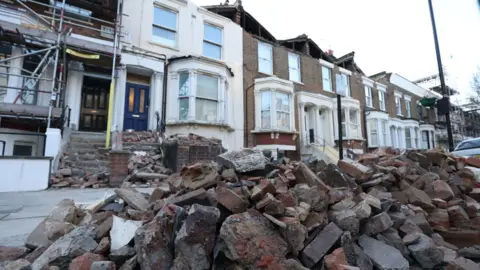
386 211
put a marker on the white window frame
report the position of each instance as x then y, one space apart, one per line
192 83
384 131
368 96
346 81
415 137
270 110
398 103
348 125
274 110
373 134
294 69
408 139
327 79
398 106
266 59
206 23
381 100
408 107
165 28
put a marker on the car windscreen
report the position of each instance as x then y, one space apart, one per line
468 145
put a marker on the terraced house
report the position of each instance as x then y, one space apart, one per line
290 92
394 114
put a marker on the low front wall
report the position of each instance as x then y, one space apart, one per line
24 173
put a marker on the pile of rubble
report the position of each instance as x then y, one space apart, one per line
64 178
417 210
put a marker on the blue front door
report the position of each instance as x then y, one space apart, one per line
136 107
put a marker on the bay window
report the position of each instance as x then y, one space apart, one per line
294 67
343 84
275 110
344 124
183 96
266 99
368 96
415 136
201 97
381 100
350 123
282 107
354 126
206 100
212 41
384 132
164 28
265 56
327 79
408 138
373 132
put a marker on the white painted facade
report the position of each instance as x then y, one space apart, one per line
153 37
24 174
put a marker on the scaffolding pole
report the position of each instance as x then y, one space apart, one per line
27 54
112 82
55 64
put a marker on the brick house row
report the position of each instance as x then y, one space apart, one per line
290 89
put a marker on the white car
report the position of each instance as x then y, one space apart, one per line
468 148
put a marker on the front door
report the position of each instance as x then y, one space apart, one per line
136 107
94 111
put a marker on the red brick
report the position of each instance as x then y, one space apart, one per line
84 262
230 200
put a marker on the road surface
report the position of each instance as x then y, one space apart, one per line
20 212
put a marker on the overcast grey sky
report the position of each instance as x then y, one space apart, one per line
386 35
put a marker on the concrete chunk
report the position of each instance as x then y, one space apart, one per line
324 241
383 256
133 198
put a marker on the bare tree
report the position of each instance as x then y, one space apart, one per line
475 98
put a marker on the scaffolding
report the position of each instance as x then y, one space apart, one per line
49 40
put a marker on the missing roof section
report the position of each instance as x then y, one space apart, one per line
348 62
237 14
306 45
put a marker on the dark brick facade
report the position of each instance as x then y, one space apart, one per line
428 115
118 167
311 77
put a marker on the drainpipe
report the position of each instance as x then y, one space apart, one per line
245 115
165 85
164 96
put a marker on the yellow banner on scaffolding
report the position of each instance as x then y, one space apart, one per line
83 55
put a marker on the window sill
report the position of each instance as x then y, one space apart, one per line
297 82
266 74
274 130
164 46
371 107
195 123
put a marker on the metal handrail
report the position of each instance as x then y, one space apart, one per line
322 142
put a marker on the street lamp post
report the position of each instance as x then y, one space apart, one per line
442 78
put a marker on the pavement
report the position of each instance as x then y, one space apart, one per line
20 212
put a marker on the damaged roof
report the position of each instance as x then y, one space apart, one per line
348 62
302 42
247 21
